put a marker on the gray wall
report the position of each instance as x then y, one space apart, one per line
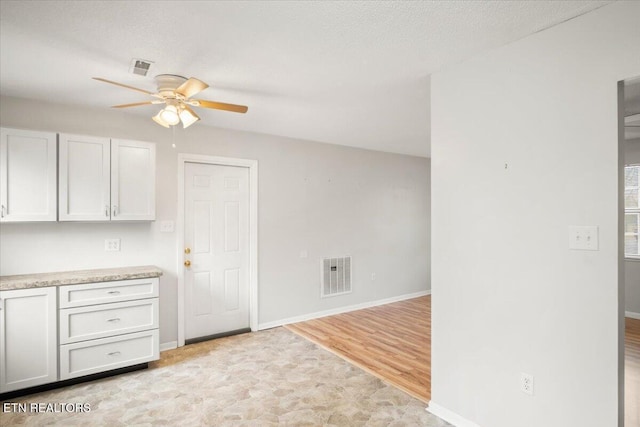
509 296
632 267
326 199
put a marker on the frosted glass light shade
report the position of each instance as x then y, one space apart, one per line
159 120
169 115
188 118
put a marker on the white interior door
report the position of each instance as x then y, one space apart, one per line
216 238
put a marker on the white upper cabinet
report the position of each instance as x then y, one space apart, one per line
27 176
133 180
106 180
84 178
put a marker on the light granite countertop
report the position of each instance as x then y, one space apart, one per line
41 280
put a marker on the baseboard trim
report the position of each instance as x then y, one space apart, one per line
72 381
449 416
340 310
168 345
632 315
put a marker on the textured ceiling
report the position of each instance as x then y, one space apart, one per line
351 73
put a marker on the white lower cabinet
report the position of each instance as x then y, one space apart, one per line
109 325
28 338
91 357
105 320
90 294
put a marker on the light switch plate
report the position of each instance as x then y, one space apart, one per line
583 238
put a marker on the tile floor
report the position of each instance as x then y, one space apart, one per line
267 378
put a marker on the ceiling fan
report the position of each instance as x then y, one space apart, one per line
176 92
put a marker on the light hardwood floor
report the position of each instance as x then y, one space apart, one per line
392 342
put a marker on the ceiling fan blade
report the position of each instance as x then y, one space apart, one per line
123 85
191 87
220 106
135 104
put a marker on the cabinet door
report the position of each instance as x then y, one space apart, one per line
27 176
84 178
133 180
28 342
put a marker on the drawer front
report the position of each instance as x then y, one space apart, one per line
106 320
90 357
106 292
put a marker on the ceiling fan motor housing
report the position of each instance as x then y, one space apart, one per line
168 83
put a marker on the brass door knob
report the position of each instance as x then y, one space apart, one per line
187 250
187 263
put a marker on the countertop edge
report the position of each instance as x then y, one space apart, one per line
42 280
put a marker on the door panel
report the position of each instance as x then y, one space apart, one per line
232 289
231 226
217 233
202 214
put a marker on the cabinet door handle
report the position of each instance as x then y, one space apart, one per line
2 212
115 210
106 210
115 319
114 353
113 292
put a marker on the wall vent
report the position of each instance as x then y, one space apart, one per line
335 276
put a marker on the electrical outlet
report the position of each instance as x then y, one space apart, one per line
112 245
167 226
526 383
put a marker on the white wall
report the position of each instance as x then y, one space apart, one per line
326 199
632 268
508 294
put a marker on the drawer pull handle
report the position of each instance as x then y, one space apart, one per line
114 353
113 292
115 319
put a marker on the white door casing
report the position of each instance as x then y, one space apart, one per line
217 221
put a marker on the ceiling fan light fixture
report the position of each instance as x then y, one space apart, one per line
159 120
188 117
169 115
176 91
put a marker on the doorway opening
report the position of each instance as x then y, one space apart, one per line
629 286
